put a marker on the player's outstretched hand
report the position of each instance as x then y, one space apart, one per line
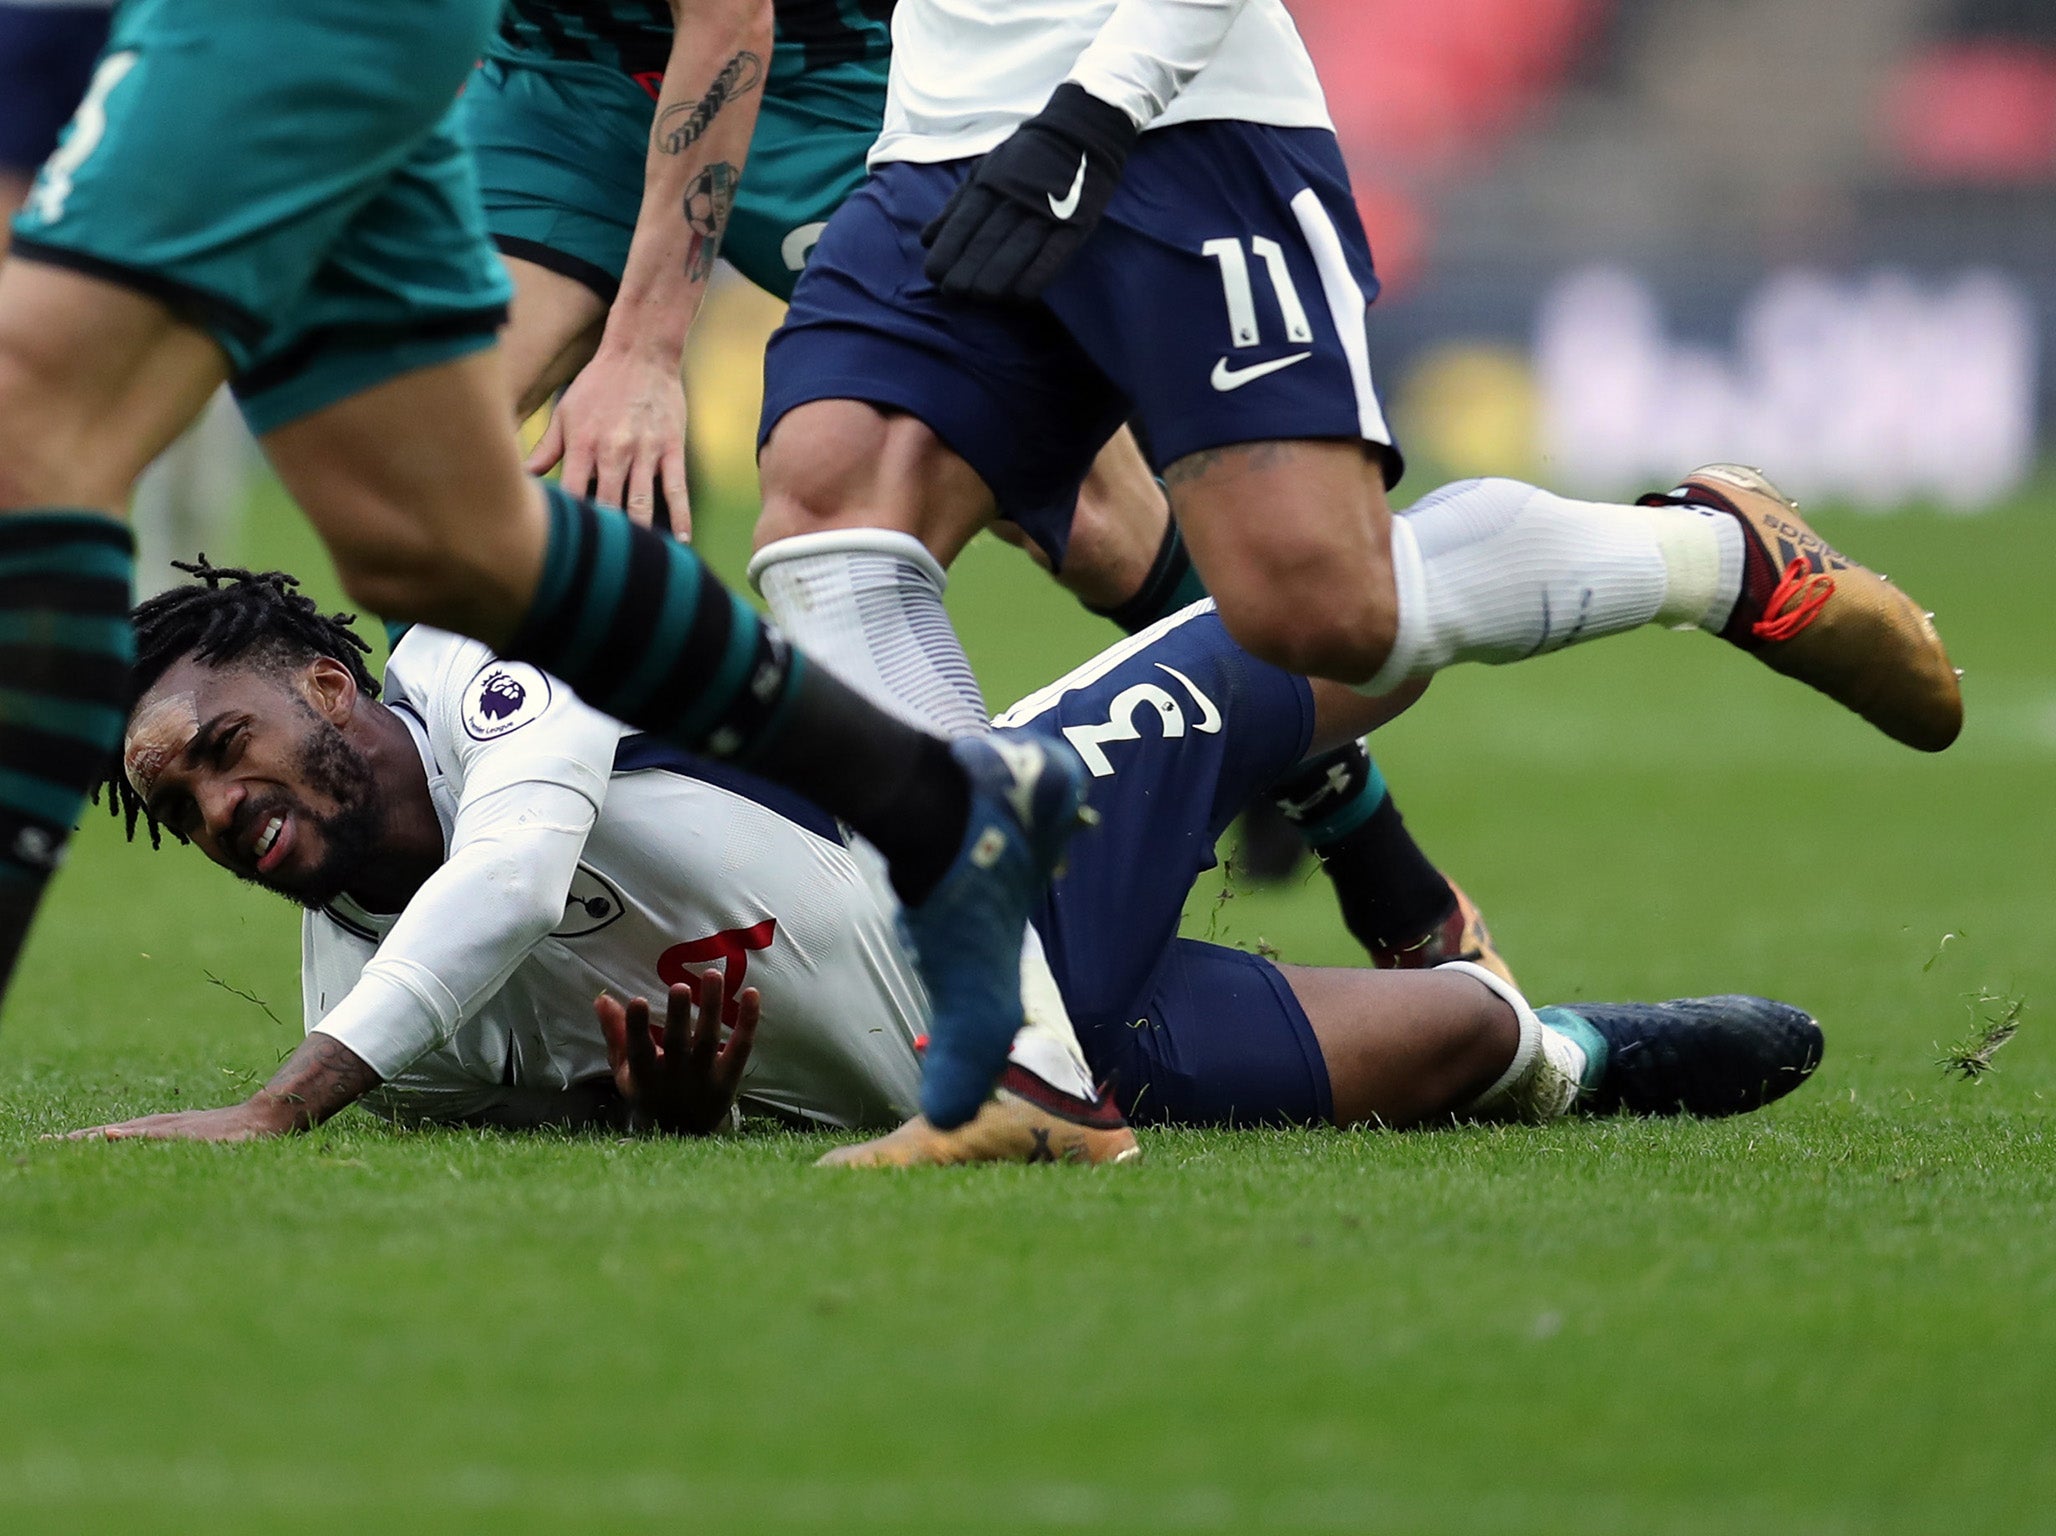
619 431
1029 204
680 1079
236 1122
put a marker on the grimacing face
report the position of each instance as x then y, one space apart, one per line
250 763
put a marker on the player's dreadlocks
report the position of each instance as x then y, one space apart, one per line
225 613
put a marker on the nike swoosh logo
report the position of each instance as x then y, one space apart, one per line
1226 378
1067 205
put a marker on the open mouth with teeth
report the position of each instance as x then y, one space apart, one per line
269 847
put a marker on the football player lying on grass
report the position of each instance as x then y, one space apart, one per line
480 855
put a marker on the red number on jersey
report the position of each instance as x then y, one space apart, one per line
681 964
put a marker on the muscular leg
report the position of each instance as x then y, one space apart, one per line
1125 559
1293 541
552 331
842 464
1329 583
1402 1047
94 383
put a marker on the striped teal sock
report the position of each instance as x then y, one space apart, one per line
642 629
65 649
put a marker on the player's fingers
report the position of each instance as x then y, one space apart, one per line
976 249
610 476
676 498
975 208
707 1032
987 262
577 474
549 447
1002 277
640 1042
735 1055
680 1029
614 1030
1043 264
641 502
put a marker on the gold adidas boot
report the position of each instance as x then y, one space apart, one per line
1809 611
1025 1121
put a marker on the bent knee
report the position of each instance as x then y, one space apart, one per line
1317 637
844 464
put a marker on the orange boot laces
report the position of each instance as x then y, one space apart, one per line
1807 592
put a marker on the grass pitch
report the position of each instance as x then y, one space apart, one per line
1837 1316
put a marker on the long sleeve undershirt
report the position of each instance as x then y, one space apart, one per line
528 794
1149 50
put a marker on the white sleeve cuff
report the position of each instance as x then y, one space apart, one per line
396 1014
1149 50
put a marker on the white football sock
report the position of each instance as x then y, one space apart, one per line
1497 571
1048 1043
867 604
1541 1082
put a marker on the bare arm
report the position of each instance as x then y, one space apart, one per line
320 1078
620 427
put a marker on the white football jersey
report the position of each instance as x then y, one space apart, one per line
675 874
966 73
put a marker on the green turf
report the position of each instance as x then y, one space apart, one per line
1836 1316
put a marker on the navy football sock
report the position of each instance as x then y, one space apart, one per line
1391 896
643 630
1172 583
65 649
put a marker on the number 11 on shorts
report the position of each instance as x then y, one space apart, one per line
1243 328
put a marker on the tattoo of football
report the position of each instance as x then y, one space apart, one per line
708 197
678 127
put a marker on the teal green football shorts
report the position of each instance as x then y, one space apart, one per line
289 178
561 146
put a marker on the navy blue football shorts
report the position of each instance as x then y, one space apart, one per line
1180 727
1221 300
47 54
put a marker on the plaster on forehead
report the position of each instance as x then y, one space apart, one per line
158 734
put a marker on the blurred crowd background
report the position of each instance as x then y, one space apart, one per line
1625 235
1620 237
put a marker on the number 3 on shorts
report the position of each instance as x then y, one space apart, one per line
1242 321
88 125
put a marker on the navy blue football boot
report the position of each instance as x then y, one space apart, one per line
1696 1056
1027 798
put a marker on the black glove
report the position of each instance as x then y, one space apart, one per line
1030 203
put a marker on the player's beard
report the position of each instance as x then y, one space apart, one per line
331 767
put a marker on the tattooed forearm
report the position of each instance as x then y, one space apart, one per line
680 126
708 197
321 1077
